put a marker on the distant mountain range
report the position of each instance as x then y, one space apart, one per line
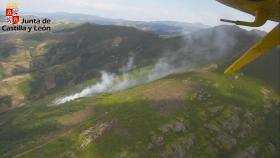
167 28
160 27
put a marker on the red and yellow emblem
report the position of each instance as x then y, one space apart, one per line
12 13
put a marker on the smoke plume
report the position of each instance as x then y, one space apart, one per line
111 82
201 48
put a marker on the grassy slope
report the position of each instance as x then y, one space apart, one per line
199 114
14 69
16 53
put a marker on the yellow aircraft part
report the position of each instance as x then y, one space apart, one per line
270 7
271 40
260 18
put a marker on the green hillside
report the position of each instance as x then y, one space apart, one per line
200 113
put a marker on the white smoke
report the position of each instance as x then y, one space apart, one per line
111 83
99 87
203 47
129 66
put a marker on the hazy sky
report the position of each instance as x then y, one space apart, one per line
204 11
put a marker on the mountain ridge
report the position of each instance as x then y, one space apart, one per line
166 28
